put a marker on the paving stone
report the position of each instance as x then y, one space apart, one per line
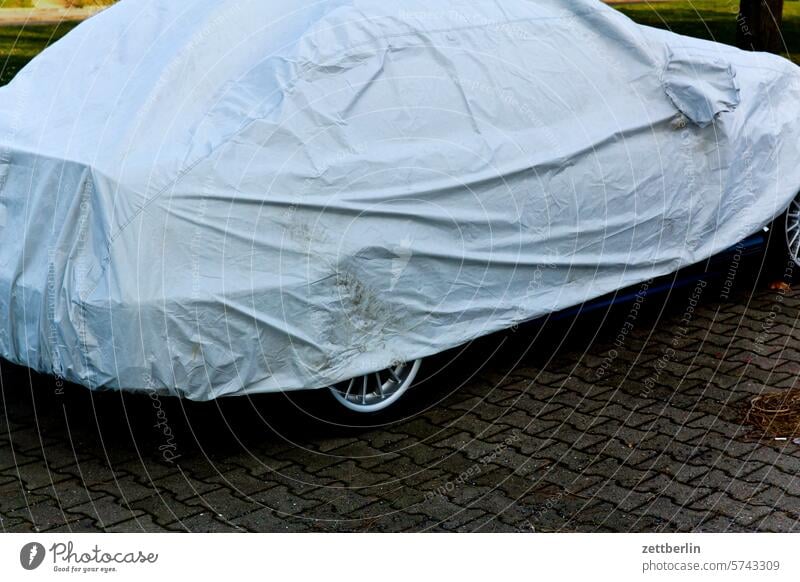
280 500
163 509
143 524
548 445
106 511
41 516
203 523
268 520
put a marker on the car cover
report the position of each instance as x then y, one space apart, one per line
211 198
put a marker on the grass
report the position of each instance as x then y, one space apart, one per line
63 3
18 45
86 3
709 19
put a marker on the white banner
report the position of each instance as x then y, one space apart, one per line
386 557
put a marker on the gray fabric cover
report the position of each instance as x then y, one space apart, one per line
209 198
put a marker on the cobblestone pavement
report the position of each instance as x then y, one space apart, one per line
624 421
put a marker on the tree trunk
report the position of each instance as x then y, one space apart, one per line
759 25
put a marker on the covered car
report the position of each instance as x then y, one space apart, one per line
221 198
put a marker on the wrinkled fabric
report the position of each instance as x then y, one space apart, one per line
701 95
212 198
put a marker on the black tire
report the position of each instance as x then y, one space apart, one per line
780 264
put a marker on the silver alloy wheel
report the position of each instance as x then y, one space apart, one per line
792 231
378 390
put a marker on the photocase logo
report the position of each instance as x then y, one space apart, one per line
31 555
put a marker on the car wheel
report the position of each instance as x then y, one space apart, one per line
792 231
377 391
